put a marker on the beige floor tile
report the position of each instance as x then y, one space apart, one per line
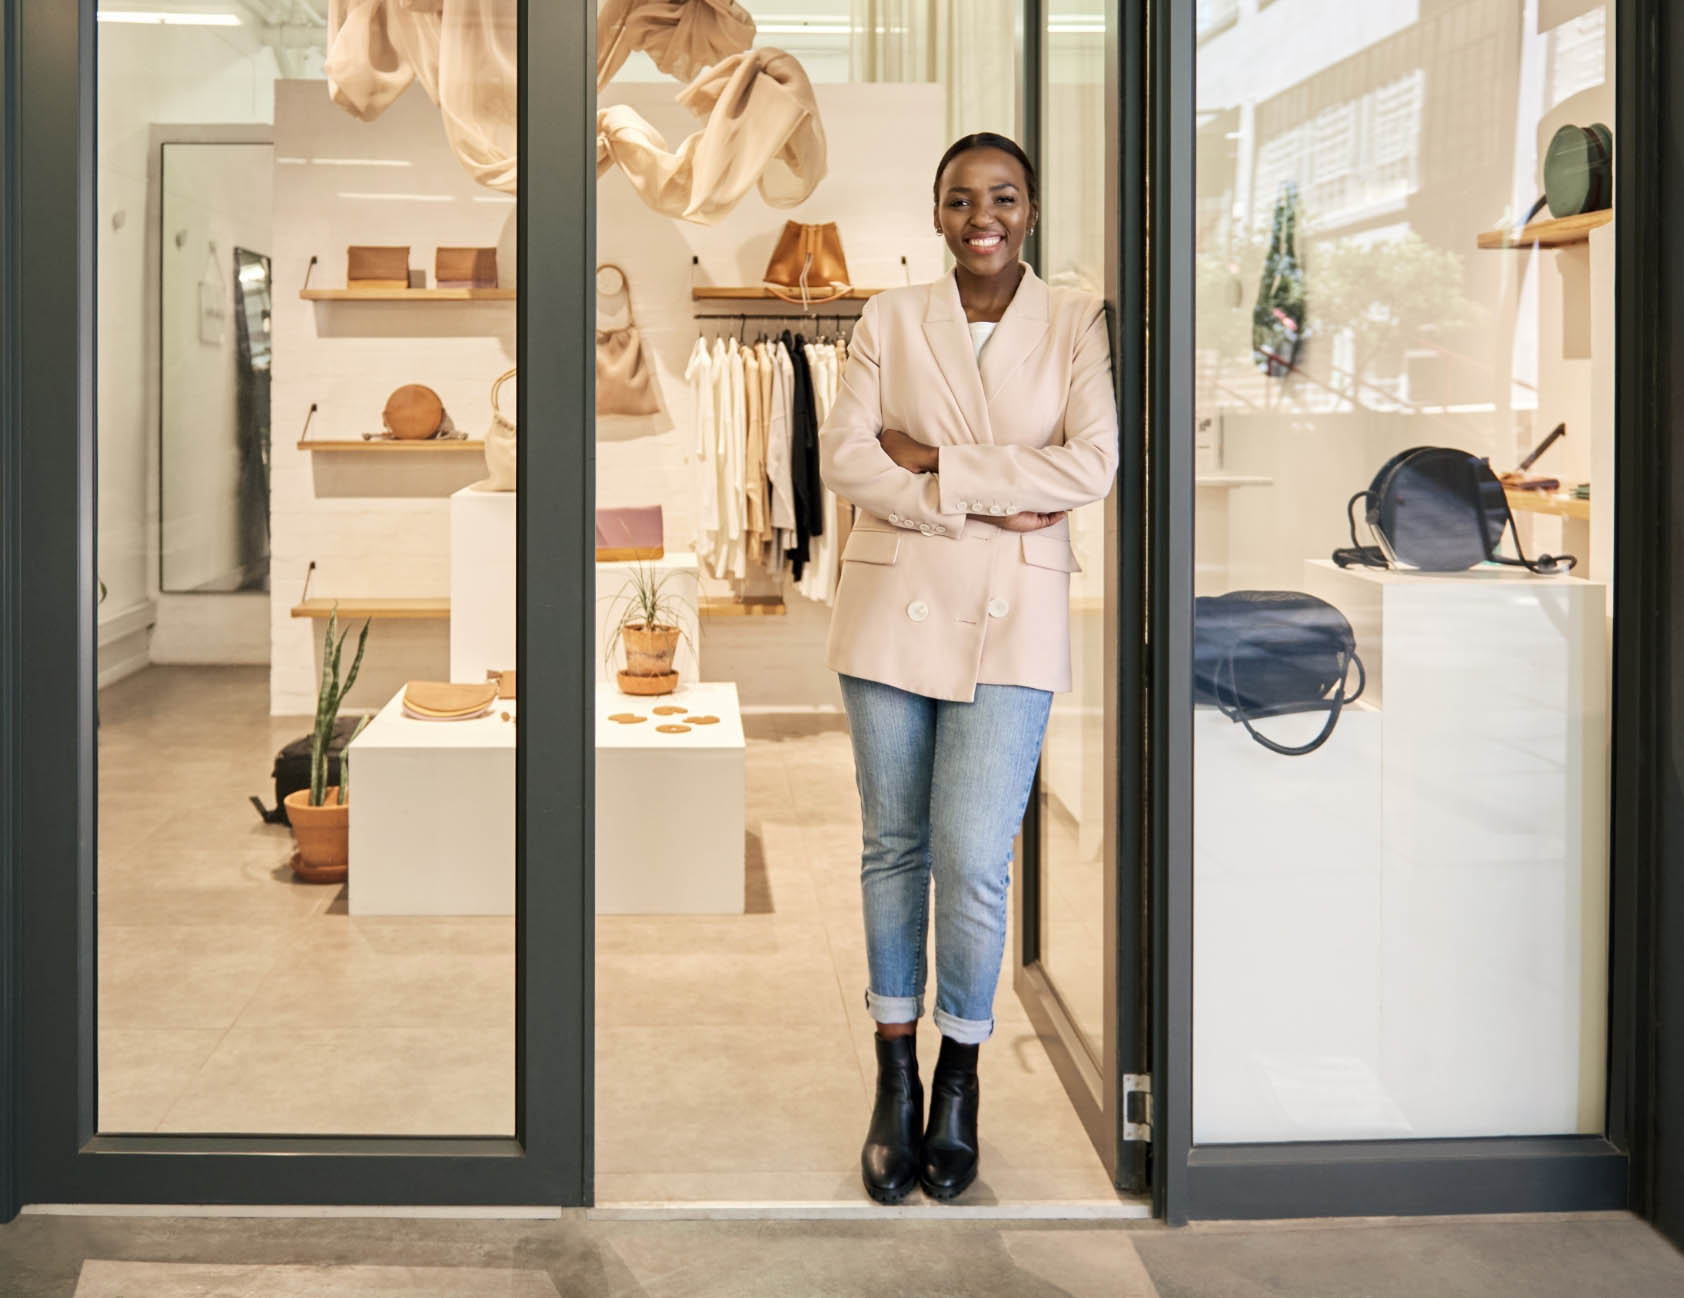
152 902
345 983
841 1185
759 1097
796 985
143 1071
181 976
116 1279
430 935
435 1081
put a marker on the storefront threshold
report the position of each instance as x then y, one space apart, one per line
1121 1208
449 1212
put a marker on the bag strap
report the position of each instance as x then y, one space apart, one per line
625 288
497 387
1358 555
1335 706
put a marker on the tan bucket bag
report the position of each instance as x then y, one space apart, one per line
500 443
808 257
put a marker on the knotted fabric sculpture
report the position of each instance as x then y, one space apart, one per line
681 36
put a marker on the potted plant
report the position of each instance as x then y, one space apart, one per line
320 814
650 625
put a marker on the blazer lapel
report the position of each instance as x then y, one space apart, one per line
1018 334
950 341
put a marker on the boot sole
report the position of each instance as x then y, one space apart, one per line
889 1197
945 1193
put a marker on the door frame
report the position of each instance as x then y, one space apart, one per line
50 1147
1094 1081
1364 1178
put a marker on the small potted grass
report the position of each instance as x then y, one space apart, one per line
320 814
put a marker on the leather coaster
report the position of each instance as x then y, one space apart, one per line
670 710
627 718
704 721
673 730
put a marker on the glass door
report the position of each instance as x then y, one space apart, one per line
1080 916
281 829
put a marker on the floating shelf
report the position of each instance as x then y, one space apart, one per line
747 606
423 609
760 293
407 295
1543 502
411 446
1557 233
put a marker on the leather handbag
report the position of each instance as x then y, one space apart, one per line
376 269
625 384
500 446
1272 653
808 257
414 413
1578 173
1437 509
465 267
447 701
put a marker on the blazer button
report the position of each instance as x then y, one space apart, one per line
918 610
996 509
998 608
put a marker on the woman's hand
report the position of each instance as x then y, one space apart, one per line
908 452
1027 521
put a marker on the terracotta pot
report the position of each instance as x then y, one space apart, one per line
323 835
634 684
649 650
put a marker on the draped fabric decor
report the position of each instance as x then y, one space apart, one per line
760 120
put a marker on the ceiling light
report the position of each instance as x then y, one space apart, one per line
404 198
170 17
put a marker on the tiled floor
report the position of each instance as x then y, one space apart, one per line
734 1054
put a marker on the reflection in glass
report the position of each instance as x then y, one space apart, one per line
1402 934
1073 802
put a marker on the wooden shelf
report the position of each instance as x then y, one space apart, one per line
1543 502
749 606
384 445
1557 233
407 295
422 609
760 293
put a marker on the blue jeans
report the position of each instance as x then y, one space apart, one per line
943 787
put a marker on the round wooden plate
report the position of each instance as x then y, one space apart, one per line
673 730
704 721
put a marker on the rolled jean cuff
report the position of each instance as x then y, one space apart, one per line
967 1032
893 1009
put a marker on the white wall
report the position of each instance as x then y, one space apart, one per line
146 75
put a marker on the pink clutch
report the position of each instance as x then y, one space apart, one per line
629 532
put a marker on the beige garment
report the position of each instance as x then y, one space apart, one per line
754 457
465 54
932 599
761 127
681 36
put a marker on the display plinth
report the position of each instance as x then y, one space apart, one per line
669 807
483 595
1435 966
433 815
482 583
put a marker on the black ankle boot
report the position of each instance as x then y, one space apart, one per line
889 1159
950 1144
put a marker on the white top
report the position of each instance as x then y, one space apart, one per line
981 330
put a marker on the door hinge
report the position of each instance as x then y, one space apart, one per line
1137 1106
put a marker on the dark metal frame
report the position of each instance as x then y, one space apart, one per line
48 442
1419 1176
1095 1081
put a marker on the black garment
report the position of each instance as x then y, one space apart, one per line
804 457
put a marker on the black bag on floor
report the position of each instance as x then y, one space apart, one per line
1272 653
292 769
1437 509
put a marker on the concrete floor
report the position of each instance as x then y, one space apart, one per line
1580 1256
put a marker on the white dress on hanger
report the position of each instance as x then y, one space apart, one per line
700 373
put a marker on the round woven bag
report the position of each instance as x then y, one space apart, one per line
413 412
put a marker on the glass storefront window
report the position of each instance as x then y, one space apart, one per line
1402 932
296 392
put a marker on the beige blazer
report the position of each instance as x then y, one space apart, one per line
929 600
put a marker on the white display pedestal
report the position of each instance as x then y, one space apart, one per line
482 591
669 808
682 574
1405 933
433 815
482 583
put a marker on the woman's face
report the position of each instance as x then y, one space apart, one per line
983 210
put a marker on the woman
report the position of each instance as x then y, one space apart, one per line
974 412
